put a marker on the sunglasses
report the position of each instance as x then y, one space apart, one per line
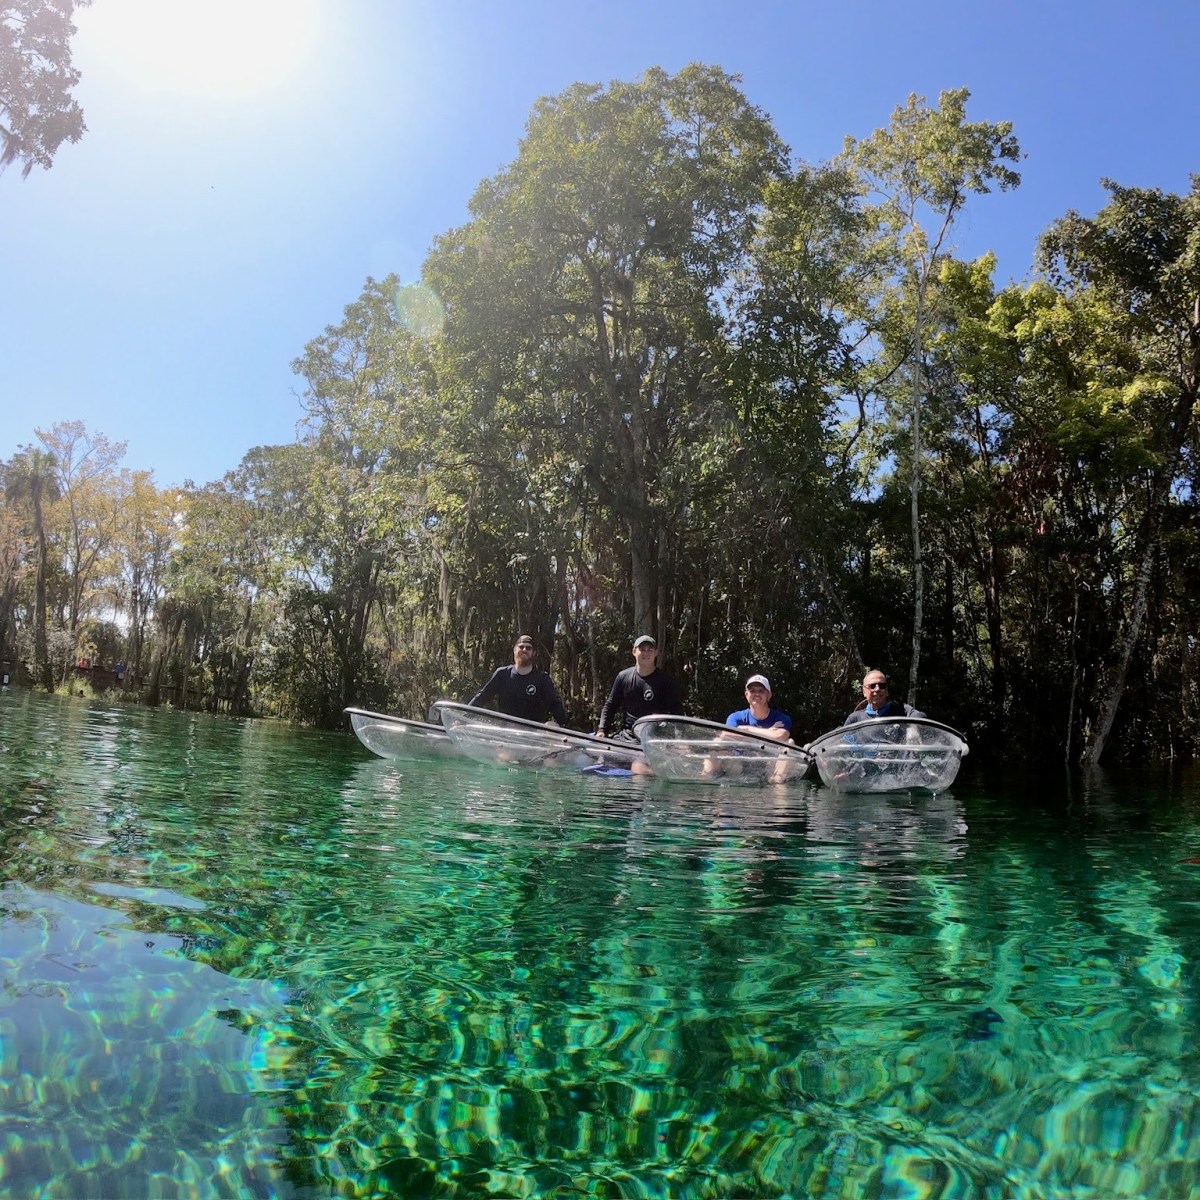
876 687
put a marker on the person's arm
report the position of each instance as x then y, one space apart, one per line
780 729
778 732
488 691
610 706
554 702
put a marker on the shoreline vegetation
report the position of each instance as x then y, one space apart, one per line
671 378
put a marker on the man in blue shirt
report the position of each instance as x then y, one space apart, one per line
877 702
764 721
760 716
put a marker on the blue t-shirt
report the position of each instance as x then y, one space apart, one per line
745 716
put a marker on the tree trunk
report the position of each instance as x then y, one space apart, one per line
642 573
185 662
41 647
1072 706
154 682
915 492
6 608
136 619
1093 747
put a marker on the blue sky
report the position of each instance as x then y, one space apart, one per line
161 278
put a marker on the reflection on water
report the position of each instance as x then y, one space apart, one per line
241 960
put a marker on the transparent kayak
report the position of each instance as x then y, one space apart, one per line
396 737
494 738
691 750
898 754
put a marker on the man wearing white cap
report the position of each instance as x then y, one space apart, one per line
760 716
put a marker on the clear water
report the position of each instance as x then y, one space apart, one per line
240 960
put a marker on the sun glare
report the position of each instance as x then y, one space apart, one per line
218 49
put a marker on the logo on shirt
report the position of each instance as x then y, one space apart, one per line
647 694
531 689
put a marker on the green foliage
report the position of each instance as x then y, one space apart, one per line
663 379
31 479
37 112
585 306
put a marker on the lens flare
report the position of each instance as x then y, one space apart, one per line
419 310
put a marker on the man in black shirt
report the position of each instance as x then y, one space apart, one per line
639 691
522 691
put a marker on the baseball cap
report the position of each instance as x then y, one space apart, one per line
759 679
524 640
644 640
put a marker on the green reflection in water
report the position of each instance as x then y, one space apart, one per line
242 960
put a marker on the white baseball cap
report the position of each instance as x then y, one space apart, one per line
759 679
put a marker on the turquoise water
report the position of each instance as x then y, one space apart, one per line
242 960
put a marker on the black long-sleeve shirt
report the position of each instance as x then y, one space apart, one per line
638 696
533 697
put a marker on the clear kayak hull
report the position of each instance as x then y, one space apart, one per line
396 737
691 750
492 737
900 754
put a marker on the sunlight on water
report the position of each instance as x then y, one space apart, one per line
245 961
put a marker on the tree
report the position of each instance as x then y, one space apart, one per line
145 538
920 169
586 299
37 112
90 485
355 488
757 552
1138 260
31 477
14 555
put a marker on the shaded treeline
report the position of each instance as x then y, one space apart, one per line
666 379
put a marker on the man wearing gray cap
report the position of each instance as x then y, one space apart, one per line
760 716
639 691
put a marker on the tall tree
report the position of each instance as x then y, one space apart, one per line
145 537
793 366
37 111
32 477
917 173
89 483
14 556
1138 259
585 298
355 486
